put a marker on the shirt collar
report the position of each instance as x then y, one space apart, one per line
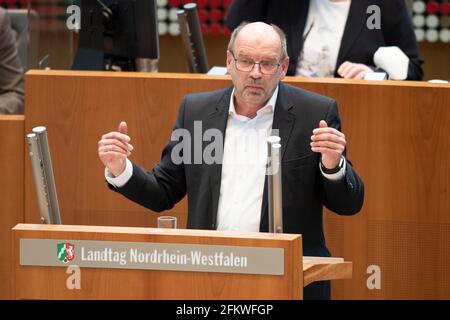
270 105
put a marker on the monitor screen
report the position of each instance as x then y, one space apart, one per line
117 33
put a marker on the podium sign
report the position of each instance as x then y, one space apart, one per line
95 262
152 256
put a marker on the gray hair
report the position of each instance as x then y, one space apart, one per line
280 33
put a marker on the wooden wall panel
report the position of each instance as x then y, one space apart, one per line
11 191
397 137
398 141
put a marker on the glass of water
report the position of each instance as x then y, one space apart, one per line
167 222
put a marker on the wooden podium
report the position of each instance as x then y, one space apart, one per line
48 280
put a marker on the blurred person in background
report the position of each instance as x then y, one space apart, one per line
331 38
11 73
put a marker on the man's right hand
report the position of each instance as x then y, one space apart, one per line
114 148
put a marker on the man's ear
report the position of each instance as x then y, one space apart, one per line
284 67
229 60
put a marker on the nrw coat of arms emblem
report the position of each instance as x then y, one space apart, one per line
65 252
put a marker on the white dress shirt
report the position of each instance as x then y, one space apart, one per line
243 169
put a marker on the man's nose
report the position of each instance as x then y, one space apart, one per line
256 71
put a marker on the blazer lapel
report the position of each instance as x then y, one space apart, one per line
284 121
218 120
355 22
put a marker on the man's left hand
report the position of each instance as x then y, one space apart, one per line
330 143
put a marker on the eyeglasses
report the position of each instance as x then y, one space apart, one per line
246 65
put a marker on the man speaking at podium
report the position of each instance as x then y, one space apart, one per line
230 194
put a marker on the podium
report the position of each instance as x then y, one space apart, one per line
94 262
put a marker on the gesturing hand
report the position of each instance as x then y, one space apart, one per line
330 143
114 148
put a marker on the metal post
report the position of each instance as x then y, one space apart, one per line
274 185
43 176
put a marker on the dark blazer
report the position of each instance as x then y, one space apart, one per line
359 43
305 190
